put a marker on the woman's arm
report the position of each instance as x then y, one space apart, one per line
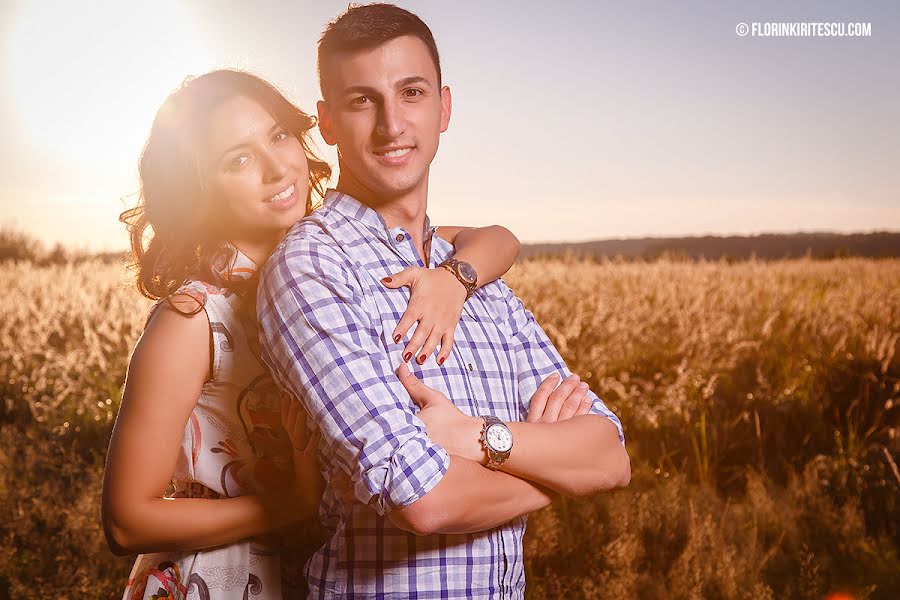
437 296
490 250
167 370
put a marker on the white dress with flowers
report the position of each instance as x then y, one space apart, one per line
232 439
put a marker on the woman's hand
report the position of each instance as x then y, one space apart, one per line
307 486
435 304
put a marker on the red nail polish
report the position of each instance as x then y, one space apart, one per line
422 359
441 360
386 279
407 356
396 338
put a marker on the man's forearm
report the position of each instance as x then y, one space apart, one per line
576 457
469 499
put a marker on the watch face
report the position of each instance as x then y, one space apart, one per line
499 438
467 272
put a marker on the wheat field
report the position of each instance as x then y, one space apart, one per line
759 401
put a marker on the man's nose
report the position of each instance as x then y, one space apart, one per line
390 120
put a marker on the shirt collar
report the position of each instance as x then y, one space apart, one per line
355 210
232 265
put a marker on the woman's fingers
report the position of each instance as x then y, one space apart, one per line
557 397
539 398
416 341
407 276
571 404
410 316
430 344
446 347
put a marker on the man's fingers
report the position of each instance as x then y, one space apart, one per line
413 386
557 397
539 399
573 402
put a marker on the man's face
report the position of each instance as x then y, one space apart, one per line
385 112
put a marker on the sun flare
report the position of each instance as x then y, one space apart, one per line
87 77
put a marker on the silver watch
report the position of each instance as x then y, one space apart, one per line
497 439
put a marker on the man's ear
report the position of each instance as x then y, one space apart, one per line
325 123
446 106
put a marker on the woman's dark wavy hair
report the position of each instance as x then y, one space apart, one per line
173 229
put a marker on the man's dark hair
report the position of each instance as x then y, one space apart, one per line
369 26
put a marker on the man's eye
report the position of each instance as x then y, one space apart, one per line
412 93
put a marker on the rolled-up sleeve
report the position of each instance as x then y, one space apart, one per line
537 357
319 339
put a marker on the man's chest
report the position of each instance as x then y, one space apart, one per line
480 374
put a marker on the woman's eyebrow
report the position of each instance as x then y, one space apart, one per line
244 143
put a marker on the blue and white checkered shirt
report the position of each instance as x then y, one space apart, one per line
325 325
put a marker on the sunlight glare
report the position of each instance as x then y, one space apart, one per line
87 77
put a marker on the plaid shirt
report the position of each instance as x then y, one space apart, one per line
325 324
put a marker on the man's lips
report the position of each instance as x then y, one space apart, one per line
395 155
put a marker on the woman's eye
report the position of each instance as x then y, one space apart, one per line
280 136
239 161
360 100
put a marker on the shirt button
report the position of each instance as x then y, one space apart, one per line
400 237
470 367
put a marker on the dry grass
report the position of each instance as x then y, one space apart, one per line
759 401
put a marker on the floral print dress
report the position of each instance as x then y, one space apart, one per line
233 438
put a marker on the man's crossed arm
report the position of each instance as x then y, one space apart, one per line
318 338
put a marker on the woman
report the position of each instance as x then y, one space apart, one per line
207 463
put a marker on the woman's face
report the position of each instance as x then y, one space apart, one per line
257 171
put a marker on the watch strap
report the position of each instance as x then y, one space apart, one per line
495 458
452 265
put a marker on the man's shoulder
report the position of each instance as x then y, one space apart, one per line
309 246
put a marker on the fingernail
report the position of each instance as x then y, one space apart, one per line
583 385
407 356
422 359
386 279
396 338
441 360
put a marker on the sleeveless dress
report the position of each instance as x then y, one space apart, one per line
232 439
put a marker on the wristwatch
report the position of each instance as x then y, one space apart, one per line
497 439
464 272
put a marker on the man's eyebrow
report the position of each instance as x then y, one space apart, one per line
370 91
412 80
242 144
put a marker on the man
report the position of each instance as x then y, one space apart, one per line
430 525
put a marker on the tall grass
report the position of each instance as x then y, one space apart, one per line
759 401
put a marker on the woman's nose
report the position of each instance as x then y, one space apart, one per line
274 168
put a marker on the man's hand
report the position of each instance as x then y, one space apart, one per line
550 403
459 433
448 426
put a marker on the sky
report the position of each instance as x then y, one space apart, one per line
571 120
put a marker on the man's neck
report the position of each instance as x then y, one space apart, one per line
405 210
